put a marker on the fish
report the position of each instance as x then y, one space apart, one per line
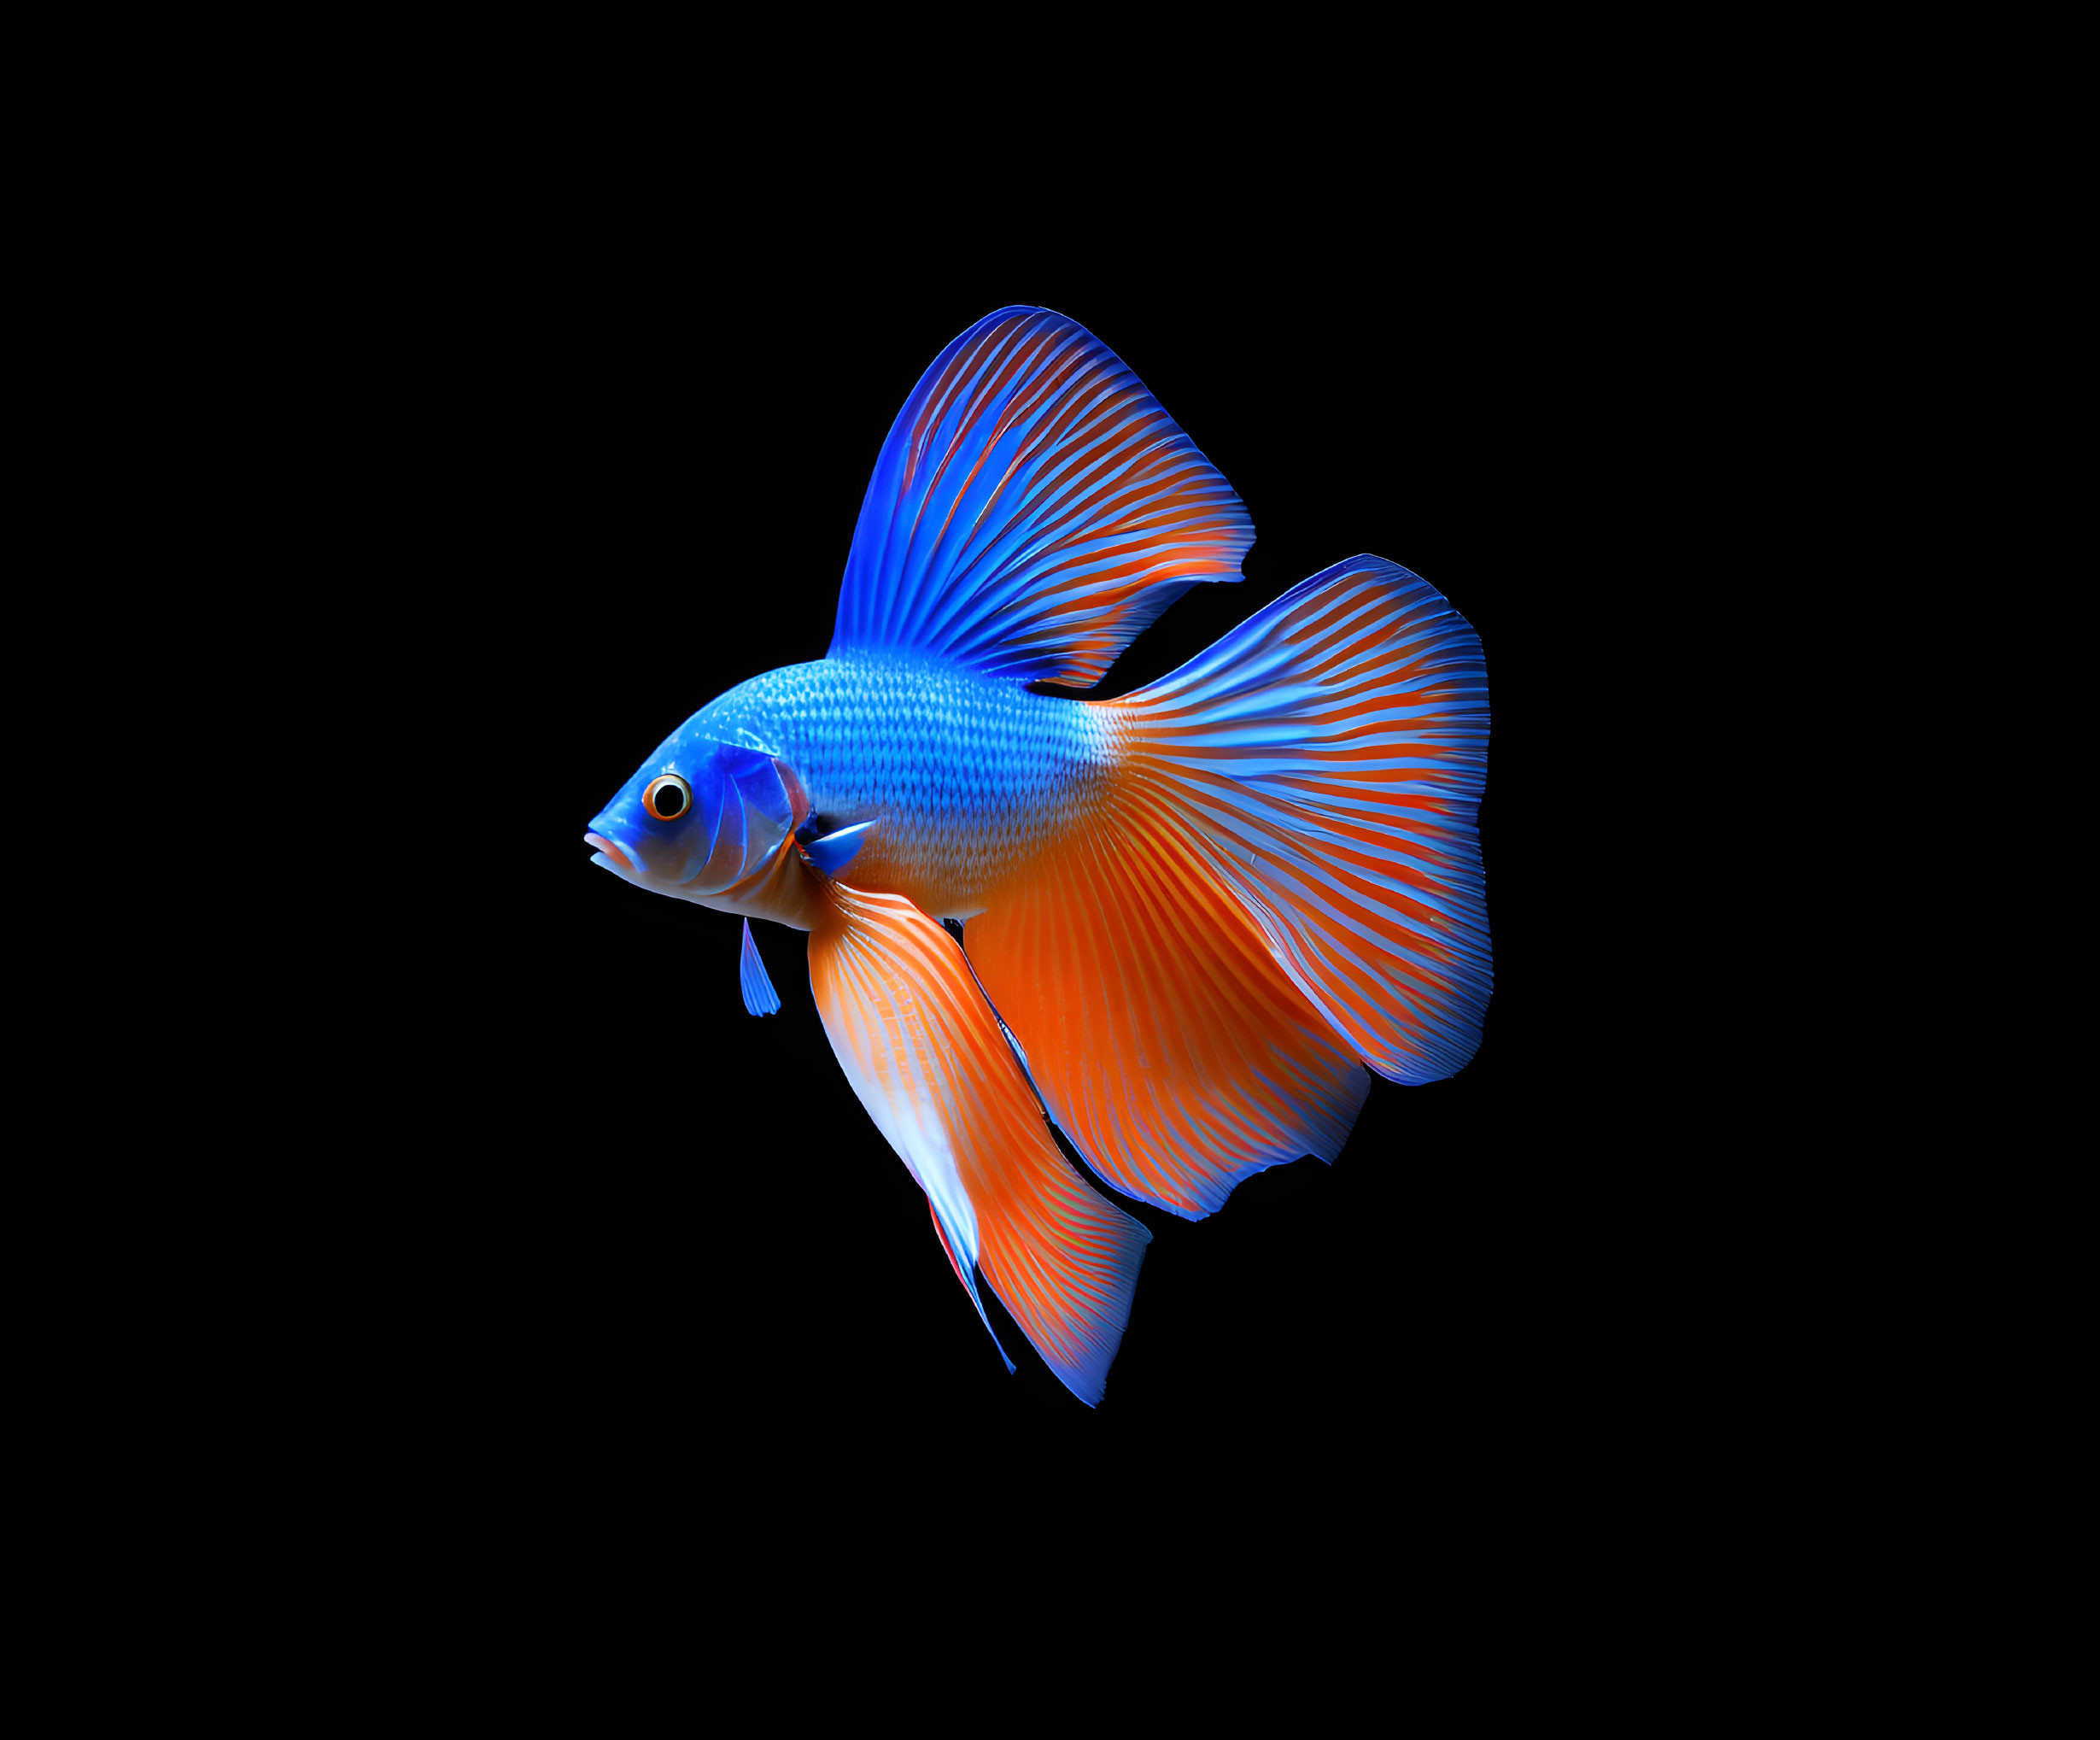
1181 927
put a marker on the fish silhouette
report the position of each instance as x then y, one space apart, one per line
1178 923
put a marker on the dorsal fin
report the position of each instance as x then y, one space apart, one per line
1032 510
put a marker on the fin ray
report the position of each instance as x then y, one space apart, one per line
1165 1040
927 1057
1032 510
1330 754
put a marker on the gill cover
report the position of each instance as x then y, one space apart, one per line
742 810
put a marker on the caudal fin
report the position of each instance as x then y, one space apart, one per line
1329 757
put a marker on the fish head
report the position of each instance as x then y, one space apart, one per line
699 817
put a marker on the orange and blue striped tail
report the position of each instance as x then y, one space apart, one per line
1331 752
1284 880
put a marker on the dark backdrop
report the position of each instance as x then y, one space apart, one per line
669 1231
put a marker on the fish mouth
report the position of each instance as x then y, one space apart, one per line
619 857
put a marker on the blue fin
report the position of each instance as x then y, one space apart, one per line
1032 510
759 996
834 851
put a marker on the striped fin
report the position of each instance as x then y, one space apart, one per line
924 1052
759 996
1032 510
1166 1041
1331 752
968 1277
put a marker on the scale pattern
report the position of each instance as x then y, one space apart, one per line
972 778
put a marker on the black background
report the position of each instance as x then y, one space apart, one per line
666 1231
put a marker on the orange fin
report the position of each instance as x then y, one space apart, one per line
1167 1040
924 1052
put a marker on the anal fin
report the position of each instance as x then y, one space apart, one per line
968 1277
926 1056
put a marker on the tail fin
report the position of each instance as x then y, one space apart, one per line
1152 1017
1279 875
1330 755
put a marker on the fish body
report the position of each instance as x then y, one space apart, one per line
1196 914
968 779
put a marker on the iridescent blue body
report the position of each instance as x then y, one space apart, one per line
964 777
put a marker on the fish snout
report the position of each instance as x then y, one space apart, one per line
625 860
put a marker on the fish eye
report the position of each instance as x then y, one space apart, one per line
668 798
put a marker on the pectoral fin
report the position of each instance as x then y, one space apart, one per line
926 1055
834 851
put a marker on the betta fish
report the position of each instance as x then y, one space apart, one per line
1180 924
